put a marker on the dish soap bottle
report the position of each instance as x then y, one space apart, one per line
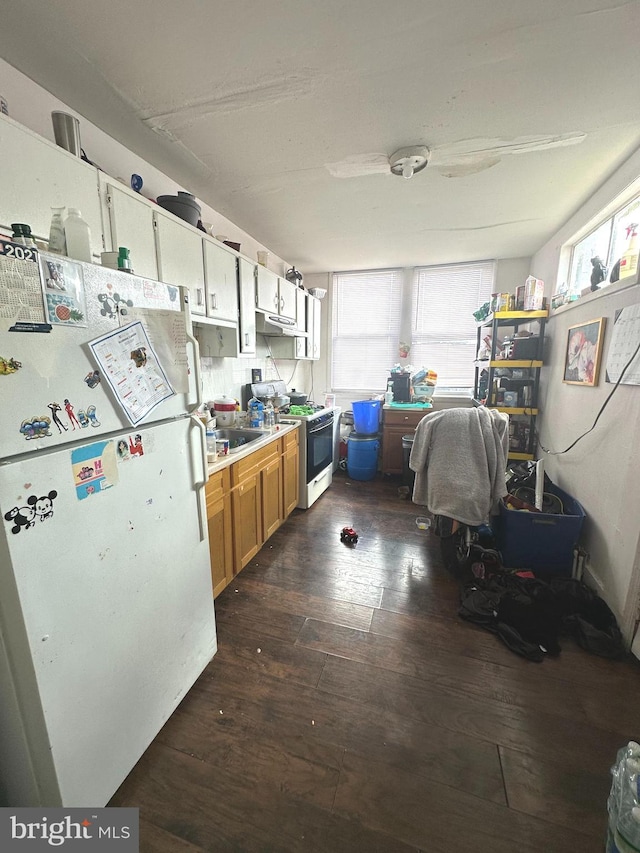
629 261
388 397
78 236
57 242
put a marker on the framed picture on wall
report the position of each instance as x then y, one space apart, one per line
584 351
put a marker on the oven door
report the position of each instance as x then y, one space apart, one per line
319 447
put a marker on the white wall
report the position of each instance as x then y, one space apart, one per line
31 105
602 472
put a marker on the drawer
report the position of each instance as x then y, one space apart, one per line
406 418
290 440
250 464
217 486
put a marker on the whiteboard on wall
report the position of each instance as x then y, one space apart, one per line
624 341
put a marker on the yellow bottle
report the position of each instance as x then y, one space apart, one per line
629 261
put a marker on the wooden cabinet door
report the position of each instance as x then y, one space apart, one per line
38 175
271 482
392 458
247 293
131 225
247 520
267 294
180 258
290 472
287 300
221 277
220 530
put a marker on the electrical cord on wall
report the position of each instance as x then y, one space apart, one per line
597 418
273 361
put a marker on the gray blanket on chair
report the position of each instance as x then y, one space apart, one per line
460 458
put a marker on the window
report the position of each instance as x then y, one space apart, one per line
608 242
444 331
366 328
370 318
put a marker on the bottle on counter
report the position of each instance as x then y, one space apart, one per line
211 440
78 236
388 396
269 415
57 241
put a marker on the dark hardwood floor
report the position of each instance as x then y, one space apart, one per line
349 708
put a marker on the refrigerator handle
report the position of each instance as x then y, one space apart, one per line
199 484
197 374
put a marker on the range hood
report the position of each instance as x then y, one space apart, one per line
275 327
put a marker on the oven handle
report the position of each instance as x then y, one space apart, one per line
320 427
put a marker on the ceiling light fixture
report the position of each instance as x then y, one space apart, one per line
407 161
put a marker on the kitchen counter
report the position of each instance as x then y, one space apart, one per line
225 461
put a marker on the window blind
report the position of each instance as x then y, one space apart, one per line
444 330
366 328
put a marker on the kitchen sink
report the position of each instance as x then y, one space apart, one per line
239 438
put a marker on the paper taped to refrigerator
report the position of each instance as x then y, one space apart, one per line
168 335
20 287
131 367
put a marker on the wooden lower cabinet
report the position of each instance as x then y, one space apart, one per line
246 503
396 424
290 472
218 500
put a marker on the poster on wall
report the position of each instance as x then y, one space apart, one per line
625 340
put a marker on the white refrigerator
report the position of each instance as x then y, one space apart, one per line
106 605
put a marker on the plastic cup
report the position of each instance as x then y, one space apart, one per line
263 258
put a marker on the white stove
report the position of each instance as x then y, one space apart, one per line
318 435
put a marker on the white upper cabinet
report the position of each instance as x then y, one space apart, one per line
287 299
301 309
38 175
221 278
267 291
180 259
129 222
313 327
247 286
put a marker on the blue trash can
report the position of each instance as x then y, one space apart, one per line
362 456
366 416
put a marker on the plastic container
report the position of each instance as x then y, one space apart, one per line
78 236
57 242
22 234
256 414
362 457
540 541
408 476
224 409
366 416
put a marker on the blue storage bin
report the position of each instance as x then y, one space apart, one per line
540 541
366 416
362 457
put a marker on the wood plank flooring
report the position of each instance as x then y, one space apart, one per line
350 709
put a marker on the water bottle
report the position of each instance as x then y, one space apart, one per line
78 236
211 440
269 416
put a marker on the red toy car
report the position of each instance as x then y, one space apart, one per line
348 535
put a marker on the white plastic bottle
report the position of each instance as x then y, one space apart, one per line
57 242
78 236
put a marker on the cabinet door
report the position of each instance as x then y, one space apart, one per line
392 452
38 175
221 277
267 295
247 521
301 309
220 530
290 471
272 516
247 293
287 304
131 225
313 327
180 258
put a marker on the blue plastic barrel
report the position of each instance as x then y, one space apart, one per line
362 457
366 416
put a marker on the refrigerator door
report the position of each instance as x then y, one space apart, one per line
51 389
106 613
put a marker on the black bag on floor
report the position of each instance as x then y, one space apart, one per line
588 618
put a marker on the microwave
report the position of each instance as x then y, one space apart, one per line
522 349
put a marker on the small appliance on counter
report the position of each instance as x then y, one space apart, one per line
224 411
401 387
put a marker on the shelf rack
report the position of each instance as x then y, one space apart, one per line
521 432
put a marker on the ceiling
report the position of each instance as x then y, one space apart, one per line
247 103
